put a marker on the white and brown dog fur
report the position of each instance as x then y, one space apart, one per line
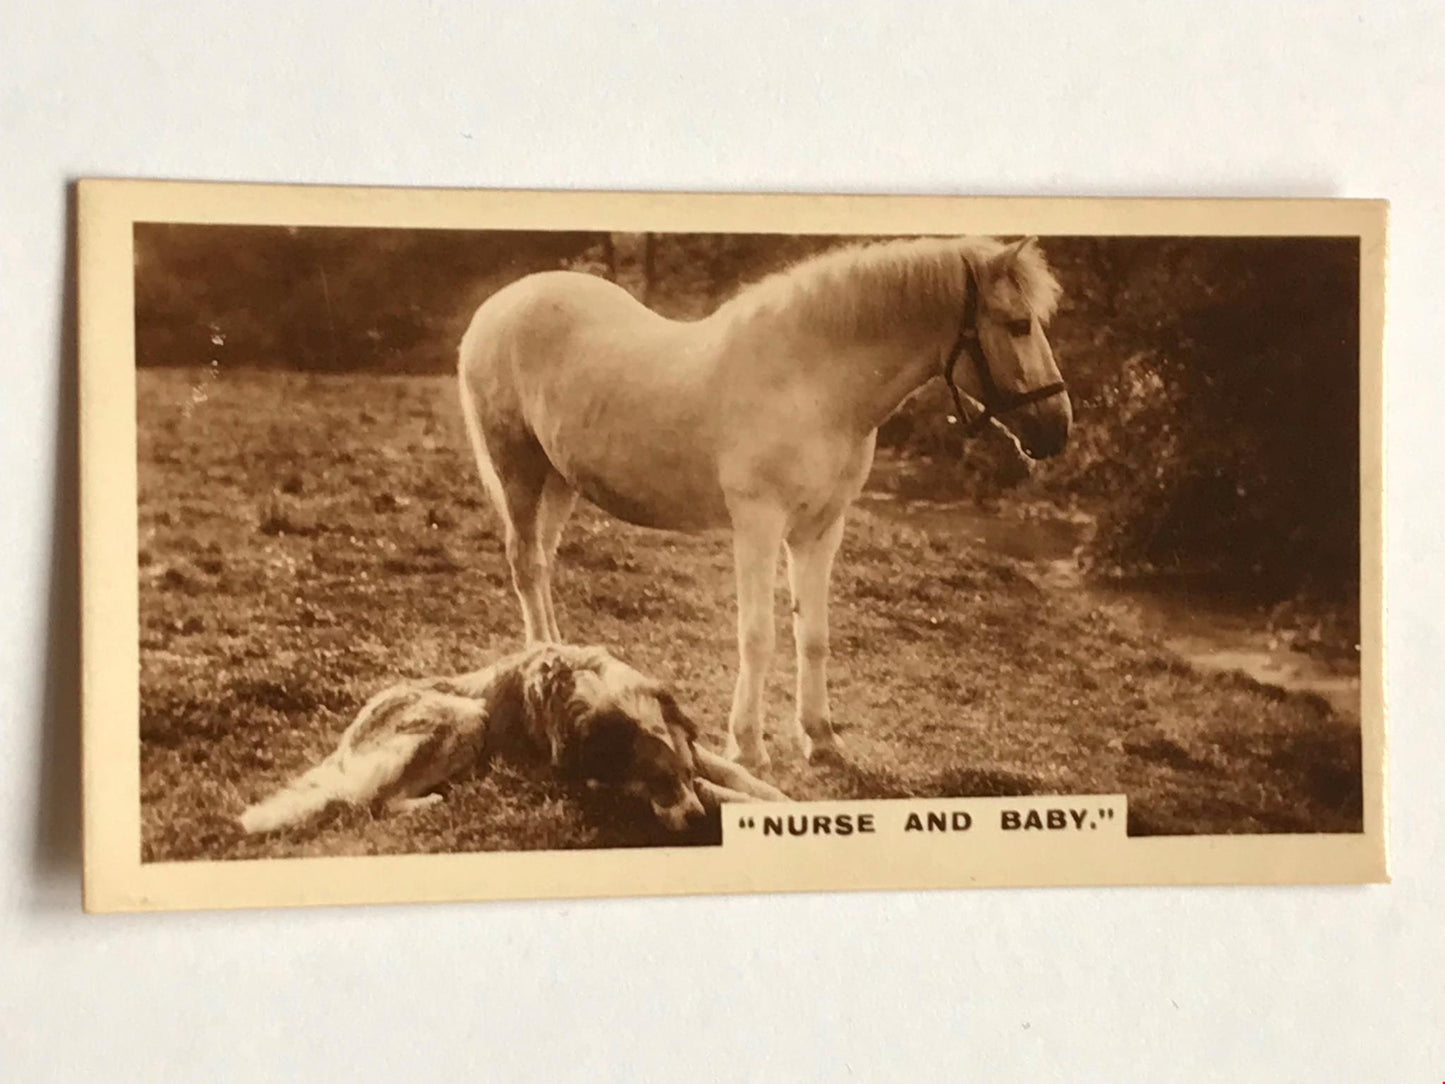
586 713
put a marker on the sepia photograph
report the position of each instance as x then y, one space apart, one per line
723 542
473 540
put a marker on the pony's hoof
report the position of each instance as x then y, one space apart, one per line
797 748
829 750
753 756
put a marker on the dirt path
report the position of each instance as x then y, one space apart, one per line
1211 633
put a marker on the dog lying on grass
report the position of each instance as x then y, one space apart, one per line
589 715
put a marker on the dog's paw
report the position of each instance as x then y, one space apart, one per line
403 806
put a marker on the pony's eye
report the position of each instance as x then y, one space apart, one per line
1019 328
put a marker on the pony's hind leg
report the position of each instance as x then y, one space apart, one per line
810 566
514 471
558 500
519 475
527 562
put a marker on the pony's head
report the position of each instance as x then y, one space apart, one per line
1017 294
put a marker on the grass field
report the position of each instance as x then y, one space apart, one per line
306 540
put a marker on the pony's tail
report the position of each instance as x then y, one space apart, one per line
302 799
491 481
469 354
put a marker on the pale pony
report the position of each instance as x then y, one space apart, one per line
760 418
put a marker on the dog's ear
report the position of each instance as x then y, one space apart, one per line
504 703
604 749
673 715
556 684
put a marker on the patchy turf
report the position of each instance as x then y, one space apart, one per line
306 540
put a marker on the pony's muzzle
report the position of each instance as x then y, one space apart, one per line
1043 427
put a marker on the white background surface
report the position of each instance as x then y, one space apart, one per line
1338 984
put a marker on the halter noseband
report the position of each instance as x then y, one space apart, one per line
996 403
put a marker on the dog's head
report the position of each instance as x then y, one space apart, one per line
628 731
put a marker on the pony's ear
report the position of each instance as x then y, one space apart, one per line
1004 264
673 715
1022 264
1019 247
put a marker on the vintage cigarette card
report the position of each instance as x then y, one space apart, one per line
454 545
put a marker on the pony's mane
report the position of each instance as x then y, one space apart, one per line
874 288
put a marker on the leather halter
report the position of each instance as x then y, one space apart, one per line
996 403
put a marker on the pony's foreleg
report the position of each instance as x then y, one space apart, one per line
810 567
756 536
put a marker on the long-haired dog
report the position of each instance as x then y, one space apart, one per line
586 713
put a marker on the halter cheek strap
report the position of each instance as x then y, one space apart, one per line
995 402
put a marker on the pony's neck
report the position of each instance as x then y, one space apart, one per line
872 380
885 316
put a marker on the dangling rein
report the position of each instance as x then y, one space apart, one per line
995 402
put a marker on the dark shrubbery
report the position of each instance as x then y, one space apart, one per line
1219 412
